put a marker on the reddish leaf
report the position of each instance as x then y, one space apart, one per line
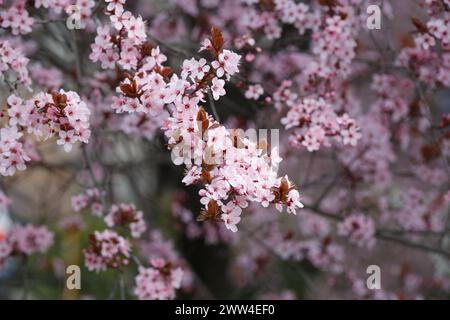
202 120
420 26
328 3
217 39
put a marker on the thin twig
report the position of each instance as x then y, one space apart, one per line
382 235
77 57
122 285
26 282
213 106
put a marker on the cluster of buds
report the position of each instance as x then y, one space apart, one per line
158 282
60 113
25 240
13 59
90 198
107 249
233 168
315 122
124 214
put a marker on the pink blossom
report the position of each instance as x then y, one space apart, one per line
217 88
12 58
13 155
227 64
62 113
126 214
30 239
360 229
158 282
106 249
135 28
16 18
254 92
115 4
90 198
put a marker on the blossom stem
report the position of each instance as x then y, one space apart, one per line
77 57
382 235
122 285
213 106
26 282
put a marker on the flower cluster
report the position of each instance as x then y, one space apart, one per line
5 252
90 198
46 77
105 50
371 160
61 113
12 58
236 167
359 229
29 239
25 240
315 122
325 254
254 92
427 65
5 202
232 168
107 249
233 173
67 115
419 211
435 29
124 43
278 12
84 11
157 246
392 95
367 110
124 214
322 252
212 232
158 282
335 44
145 92
13 154
17 18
